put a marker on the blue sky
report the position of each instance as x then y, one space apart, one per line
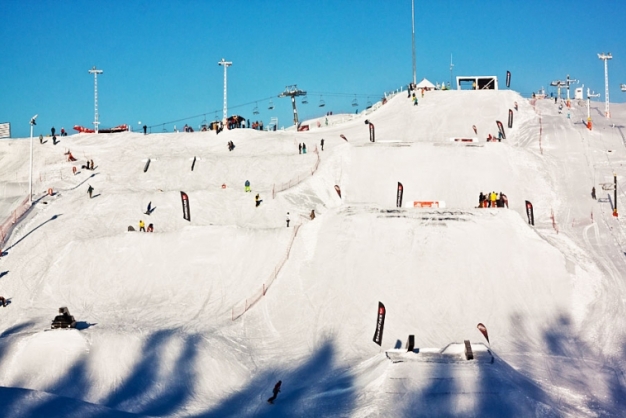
160 57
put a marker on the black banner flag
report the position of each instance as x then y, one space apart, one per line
145 167
380 324
372 135
193 164
508 79
529 213
399 195
501 129
510 118
186 212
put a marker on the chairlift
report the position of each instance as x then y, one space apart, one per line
369 103
204 121
305 99
355 103
271 106
164 130
623 87
322 104
255 111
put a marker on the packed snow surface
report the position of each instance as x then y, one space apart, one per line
201 318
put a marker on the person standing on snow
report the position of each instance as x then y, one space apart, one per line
247 186
53 130
492 199
322 144
303 148
299 148
275 391
142 226
40 139
90 191
287 219
257 200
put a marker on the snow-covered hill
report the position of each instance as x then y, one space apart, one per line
201 318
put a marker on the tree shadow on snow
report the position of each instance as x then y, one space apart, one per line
3 273
315 387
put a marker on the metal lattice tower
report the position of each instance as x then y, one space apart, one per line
95 73
225 64
606 58
293 91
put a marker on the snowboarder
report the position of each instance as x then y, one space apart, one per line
275 391
303 148
322 144
299 148
312 215
149 209
593 193
287 219
247 186
257 200
150 228
145 129
90 191
142 226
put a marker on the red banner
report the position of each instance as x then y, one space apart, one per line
483 330
186 213
380 324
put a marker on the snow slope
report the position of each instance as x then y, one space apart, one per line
156 331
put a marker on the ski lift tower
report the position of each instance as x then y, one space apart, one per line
293 92
606 58
225 64
95 73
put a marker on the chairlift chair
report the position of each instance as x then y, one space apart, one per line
355 103
369 103
322 104
255 111
623 87
305 99
204 123
271 105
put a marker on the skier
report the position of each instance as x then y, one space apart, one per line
593 193
299 148
275 391
312 215
142 226
145 129
247 186
150 228
303 148
257 200
90 191
322 144
287 219
414 101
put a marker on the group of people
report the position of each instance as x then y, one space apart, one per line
257 125
142 227
492 200
53 131
302 148
492 138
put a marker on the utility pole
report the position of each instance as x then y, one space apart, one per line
225 64
30 188
606 58
293 91
413 39
451 67
95 73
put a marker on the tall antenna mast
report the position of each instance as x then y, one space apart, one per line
225 64
451 67
413 39
606 58
95 73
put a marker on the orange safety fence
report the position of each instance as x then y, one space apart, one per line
7 226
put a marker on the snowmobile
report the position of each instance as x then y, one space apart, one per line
64 320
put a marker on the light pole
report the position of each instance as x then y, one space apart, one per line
95 73
413 39
606 58
225 64
30 189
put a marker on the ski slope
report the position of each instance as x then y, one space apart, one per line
162 318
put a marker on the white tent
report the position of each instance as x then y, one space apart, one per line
425 84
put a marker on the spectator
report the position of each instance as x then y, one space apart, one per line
142 226
322 144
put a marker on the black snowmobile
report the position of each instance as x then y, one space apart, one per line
64 320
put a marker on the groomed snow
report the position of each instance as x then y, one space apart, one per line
156 335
